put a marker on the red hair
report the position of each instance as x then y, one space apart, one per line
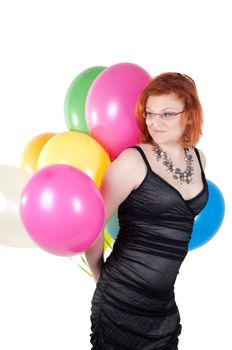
184 87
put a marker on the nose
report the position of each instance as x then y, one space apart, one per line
157 120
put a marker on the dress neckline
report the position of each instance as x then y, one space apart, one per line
175 189
149 169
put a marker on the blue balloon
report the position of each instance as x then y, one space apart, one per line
112 227
209 220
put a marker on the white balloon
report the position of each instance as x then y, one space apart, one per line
12 231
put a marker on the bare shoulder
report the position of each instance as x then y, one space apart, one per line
203 158
125 167
133 159
129 157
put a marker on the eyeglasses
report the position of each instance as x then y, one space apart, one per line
163 116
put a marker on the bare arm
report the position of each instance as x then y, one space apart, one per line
118 181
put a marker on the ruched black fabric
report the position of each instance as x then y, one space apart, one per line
133 306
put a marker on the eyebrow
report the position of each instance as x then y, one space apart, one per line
162 109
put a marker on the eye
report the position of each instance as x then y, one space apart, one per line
168 114
149 114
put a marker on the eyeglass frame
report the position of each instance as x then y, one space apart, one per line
173 114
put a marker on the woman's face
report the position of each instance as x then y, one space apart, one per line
166 129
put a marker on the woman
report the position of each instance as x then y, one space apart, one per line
159 186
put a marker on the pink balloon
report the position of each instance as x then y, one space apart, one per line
110 106
62 210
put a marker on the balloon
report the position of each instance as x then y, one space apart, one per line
62 209
112 227
12 231
108 241
32 151
78 150
110 106
208 222
74 105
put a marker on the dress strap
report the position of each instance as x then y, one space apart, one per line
143 155
148 164
199 159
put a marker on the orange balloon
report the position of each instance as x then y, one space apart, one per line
31 152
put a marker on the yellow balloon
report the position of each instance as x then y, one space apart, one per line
78 150
108 242
31 152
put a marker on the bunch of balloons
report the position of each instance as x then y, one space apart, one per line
53 200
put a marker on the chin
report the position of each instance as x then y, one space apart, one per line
160 139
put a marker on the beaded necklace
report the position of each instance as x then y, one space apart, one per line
181 176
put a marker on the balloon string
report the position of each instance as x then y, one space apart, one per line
81 266
84 261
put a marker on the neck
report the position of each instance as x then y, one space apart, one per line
174 151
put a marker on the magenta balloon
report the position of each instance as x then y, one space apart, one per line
110 106
62 210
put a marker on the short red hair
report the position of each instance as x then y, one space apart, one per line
184 87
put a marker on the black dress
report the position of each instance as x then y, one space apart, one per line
133 305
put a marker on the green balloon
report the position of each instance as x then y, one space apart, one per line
74 105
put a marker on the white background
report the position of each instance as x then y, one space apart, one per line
45 299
